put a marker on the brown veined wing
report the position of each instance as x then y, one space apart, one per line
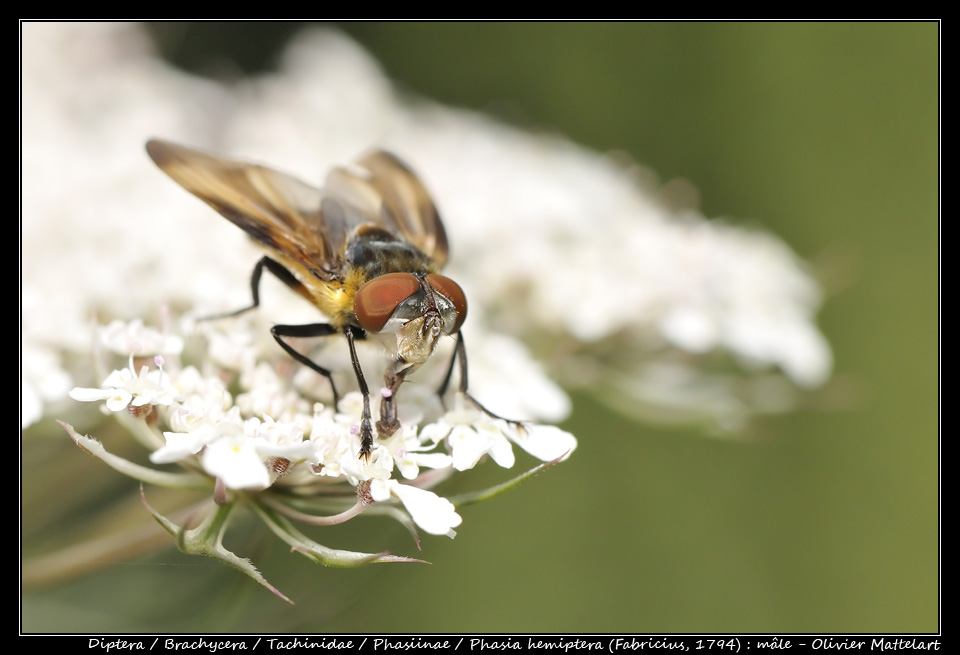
301 222
380 189
275 209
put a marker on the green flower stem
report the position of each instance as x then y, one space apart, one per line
311 519
486 494
207 539
136 471
299 542
147 436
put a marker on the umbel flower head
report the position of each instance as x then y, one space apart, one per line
252 438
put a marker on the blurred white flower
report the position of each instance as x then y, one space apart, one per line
104 232
43 381
133 338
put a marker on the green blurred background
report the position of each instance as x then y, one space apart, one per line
825 520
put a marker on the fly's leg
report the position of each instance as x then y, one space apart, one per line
308 330
442 390
389 423
460 353
280 331
278 270
366 422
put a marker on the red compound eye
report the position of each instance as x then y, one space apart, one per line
376 300
452 292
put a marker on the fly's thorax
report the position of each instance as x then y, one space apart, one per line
415 309
377 252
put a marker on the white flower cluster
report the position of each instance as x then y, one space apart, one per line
245 448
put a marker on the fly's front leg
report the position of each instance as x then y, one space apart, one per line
309 330
442 390
460 354
366 422
389 423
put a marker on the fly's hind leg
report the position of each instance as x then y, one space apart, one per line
278 270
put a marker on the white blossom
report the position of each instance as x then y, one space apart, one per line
235 460
124 387
180 445
432 513
133 338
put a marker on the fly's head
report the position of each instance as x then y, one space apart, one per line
409 313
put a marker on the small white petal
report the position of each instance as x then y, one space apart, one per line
545 442
434 433
90 395
380 490
500 449
432 460
181 445
434 514
291 451
408 468
468 447
235 461
137 401
119 378
119 400
31 405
